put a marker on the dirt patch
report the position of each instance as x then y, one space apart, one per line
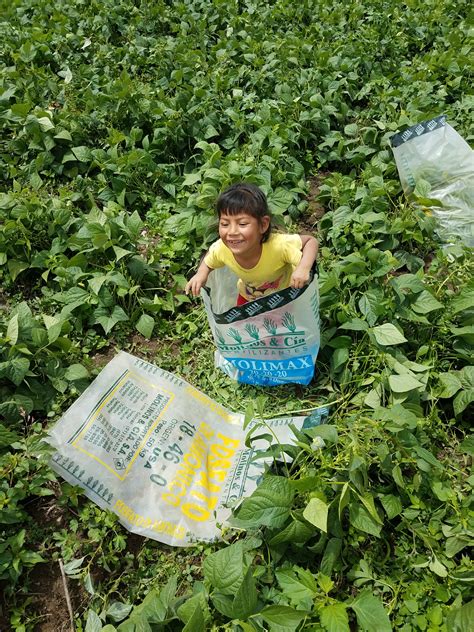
47 513
315 209
144 348
48 598
102 358
148 243
137 345
4 624
3 301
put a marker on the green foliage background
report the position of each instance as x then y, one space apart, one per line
121 122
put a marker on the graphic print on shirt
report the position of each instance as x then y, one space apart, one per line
252 291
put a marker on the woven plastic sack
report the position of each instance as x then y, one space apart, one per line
269 341
435 153
164 457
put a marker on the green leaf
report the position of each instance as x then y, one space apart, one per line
328 432
93 623
387 335
76 372
437 567
460 619
356 324
96 282
294 588
450 383
109 320
73 566
16 369
53 326
82 153
63 135
422 188
297 532
156 605
187 610
456 544
246 627
396 418
344 499
66 74
269 505
145 325
191 178
351 129
427 456
425 303
362 520
331 555
117 611
279 200
246 598
136 623
334 618
370 613
467 446
466 375
368 501
224 604
464 300
121 252
196 622
316 512
282 616
15 267
7 437
224 568
391 504
462 401
12 330
403 383
36 181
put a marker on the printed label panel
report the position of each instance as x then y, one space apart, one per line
298 369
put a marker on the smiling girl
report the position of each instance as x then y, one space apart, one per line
264 261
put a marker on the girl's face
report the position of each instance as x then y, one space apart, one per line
242 233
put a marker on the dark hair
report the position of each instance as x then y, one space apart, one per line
244 197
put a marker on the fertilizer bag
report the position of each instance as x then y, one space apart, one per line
269 341
164 457
435 153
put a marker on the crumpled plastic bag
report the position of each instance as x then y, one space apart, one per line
437 165
166 458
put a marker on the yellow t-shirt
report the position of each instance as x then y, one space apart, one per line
280 256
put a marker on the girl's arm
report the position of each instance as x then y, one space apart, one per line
196 282
301 273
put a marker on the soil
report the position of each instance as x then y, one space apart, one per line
49 599
315 209
103 357
138 346
46 592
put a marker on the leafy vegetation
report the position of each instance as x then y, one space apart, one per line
121 122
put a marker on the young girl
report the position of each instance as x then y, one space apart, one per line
264 261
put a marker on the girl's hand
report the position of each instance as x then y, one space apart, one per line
300 277
198 281
302 272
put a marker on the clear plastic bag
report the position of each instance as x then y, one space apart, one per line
435 162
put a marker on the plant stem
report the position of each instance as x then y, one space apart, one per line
66 593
